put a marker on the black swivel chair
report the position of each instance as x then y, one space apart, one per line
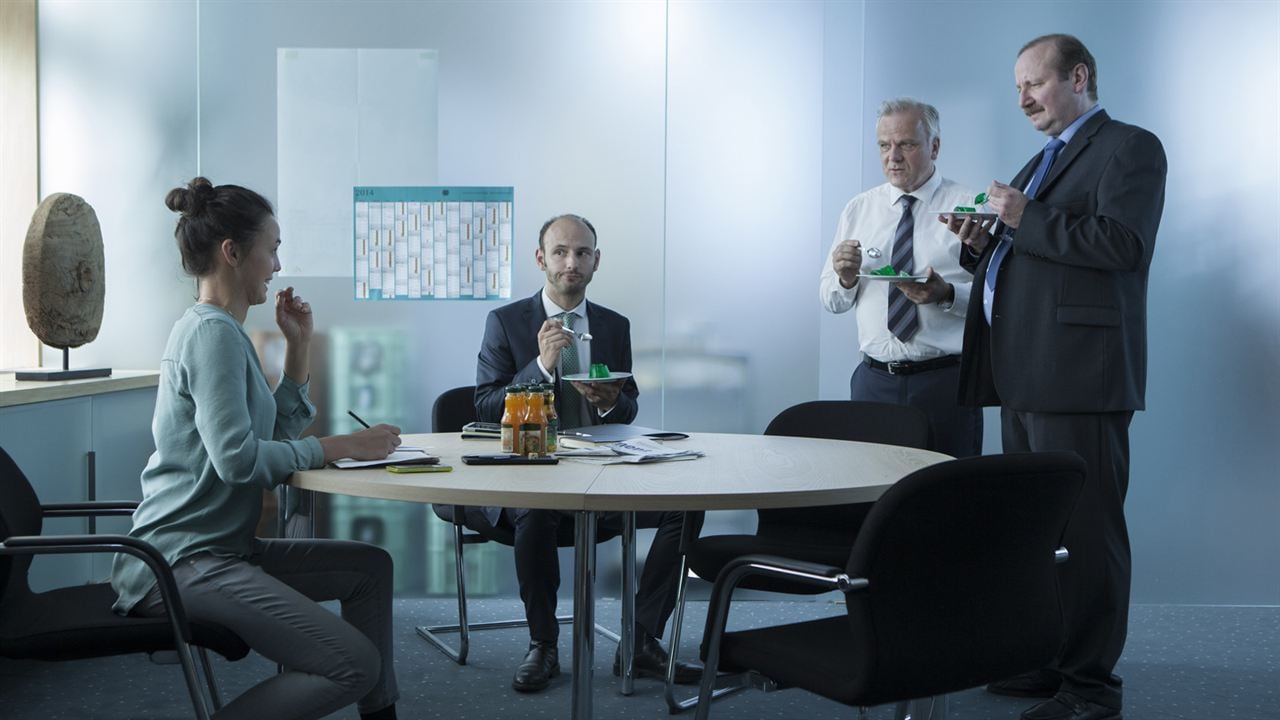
453 409
76 622
814 534
951 583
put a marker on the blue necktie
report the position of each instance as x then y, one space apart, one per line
904 319
997 256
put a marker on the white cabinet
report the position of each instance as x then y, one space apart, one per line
91 446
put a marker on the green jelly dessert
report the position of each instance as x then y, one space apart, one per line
887 271
599 370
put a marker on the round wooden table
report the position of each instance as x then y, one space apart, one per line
739 472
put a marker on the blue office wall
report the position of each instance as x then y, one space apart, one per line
1204 498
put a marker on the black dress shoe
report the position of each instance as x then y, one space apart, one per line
540 664
1065 706
1035 684
651 661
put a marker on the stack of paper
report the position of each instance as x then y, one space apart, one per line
635 450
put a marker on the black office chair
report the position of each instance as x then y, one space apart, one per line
76 622
453 409
951 583
813 534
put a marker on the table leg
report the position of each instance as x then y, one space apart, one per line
628 644
584 612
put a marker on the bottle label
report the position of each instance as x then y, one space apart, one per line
531 435
508 439
553 435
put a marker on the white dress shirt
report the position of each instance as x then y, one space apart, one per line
582 325
872 219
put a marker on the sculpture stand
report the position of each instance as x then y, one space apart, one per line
64 374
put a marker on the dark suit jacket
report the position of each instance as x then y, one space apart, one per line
509 354
1069 326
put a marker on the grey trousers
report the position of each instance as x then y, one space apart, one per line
269 600
957 430
1095 581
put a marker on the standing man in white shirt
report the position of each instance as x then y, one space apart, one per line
910 333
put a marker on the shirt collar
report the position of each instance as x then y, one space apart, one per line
553 309
924 192
1070 132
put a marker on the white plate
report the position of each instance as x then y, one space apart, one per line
895 278
586 378
976 215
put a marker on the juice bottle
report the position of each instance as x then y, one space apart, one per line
512 417
552 442
533 429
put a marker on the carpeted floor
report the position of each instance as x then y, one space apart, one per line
1181 663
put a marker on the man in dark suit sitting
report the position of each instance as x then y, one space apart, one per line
525 342
1056 334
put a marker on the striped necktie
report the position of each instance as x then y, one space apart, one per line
904 318
570 401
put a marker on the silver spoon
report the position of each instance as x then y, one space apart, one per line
584 337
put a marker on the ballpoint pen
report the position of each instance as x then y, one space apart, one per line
358 419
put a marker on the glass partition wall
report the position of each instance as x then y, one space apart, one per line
713 145
568 103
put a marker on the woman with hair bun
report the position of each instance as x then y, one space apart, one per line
222 437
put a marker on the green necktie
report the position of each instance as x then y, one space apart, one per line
570 401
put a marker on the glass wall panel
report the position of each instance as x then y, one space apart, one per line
743 207
563 101
713 145
117 127
1201 75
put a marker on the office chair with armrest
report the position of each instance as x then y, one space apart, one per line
453 409
811 534
951 583
76 622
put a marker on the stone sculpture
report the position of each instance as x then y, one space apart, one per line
62 272
63 285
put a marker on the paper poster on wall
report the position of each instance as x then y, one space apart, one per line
346 117
432 243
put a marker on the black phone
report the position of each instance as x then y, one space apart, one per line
508 459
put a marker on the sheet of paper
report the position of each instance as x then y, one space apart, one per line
398 457
347 117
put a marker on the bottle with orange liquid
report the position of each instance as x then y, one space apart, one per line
512 417
533 429
552 442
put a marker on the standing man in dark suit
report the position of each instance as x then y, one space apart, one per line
1056 335
525 342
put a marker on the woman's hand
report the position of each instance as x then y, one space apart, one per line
293 315
372 443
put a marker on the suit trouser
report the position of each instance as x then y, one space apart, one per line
269 600
538 566
1095 580
956 429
